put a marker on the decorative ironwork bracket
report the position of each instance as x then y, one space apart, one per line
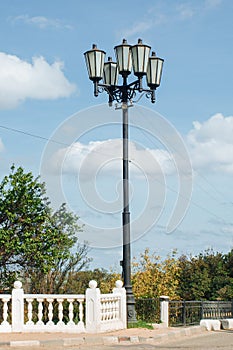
125 92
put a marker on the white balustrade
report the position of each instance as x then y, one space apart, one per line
110 307
44 312
55 320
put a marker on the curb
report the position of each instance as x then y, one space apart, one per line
168 335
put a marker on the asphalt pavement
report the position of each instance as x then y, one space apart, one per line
132 338
212 340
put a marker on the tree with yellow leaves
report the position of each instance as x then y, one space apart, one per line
153 277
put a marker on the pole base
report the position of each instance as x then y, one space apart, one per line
130 303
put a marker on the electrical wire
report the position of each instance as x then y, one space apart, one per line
32 135
154 144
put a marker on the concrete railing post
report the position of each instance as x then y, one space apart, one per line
122 312
17 307
93 315
164 310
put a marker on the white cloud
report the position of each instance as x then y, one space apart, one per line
142 26
41 22
162 14
106 156
1 146
211 144
185 11
212 3
20 80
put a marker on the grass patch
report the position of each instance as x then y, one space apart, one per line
140 324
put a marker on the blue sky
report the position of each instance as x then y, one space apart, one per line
45 92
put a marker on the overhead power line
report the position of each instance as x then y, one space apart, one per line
149 138
33 135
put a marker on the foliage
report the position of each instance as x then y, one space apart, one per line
148 309
41 248
203 277
36 244
77 282
140 324
206 276
153 277
226 291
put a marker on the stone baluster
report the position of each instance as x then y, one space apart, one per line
40 312
114 309
103 306
29 301
109 309
71 312
81 323
117 313
106 309
50 314
60 312
5 311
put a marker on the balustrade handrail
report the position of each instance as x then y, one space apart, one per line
55 296
107 296
3 296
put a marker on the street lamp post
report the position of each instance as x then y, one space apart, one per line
127 56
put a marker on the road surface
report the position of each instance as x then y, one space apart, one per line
222 340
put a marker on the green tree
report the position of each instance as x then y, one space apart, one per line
194 280
226 292
202 277
77 282
35 243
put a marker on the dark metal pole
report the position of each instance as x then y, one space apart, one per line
126 263
123 94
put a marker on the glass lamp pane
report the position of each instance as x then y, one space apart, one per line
114 74
123 56
99 65
159 70
95 63
110 72
154 71
140 56
89 57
